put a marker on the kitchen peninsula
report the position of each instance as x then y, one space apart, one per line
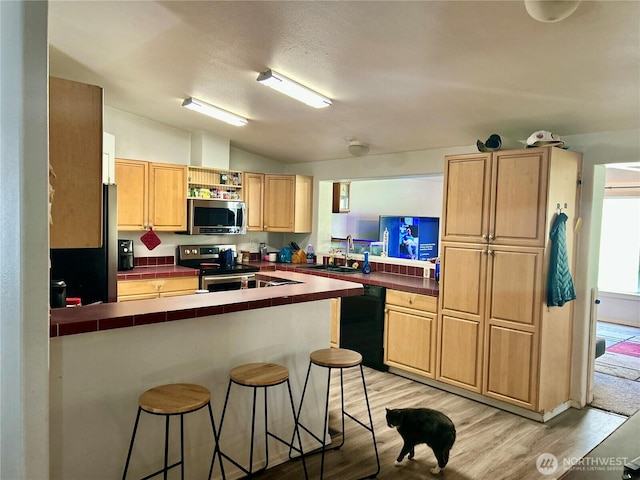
102 357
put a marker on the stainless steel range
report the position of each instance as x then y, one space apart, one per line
218 268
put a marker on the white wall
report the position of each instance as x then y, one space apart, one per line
369 199
24 242
139 138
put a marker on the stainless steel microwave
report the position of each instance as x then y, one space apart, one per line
216 217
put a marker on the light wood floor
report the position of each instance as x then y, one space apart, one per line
491 443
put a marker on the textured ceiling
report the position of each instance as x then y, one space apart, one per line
403 76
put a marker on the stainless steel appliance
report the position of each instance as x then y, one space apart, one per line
206 216
91 274
218 269
125 254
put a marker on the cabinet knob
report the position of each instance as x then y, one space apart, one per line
484 251
490 236
484 236
490 252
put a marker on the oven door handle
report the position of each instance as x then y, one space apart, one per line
213 278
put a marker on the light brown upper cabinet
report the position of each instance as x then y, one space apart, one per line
151 195
505 197
281 203
254 198
341 192
75 156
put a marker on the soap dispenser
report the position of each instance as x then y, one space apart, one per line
366 268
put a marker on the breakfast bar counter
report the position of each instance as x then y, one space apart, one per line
103 357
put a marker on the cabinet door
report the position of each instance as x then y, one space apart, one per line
460 357
133 193
463 280
511 366
303 208
279 205
75 155
518 204
410 340
515 286
254 196
168 197
467 188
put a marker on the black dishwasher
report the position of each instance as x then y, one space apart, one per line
362 325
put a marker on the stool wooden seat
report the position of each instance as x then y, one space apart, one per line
169 400
339 358
336 358
175 398
261 376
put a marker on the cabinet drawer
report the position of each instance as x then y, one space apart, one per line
412 300
157 285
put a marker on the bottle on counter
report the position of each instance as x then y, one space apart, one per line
310 254
244 282
366 268
437 270
385 242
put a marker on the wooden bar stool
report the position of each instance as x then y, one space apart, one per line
170 400
261 376
339 358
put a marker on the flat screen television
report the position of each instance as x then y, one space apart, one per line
414 238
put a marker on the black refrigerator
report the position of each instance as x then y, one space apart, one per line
92 273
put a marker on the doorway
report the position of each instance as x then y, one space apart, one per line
616 372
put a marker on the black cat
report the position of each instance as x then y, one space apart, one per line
423 425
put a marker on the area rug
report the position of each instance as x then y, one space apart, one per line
616 395
626 348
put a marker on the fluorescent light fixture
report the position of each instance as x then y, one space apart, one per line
215 112
293 89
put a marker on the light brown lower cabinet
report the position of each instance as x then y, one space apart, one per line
410 332
156 288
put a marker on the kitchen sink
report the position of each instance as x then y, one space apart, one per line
333 268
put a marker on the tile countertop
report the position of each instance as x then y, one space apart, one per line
405 278
160 271
106 316
316 285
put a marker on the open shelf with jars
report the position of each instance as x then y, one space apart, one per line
205 182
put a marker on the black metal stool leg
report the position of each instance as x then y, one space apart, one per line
182 446
373 435
325 425
266 430
253 431
296 432
166 448
216 448
133 437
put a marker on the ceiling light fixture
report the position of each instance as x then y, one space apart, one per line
357 148
549 11
293 89
215 112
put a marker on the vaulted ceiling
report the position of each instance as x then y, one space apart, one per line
403 76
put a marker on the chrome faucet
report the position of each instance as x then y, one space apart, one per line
348 249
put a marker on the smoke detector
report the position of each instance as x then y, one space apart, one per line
357 148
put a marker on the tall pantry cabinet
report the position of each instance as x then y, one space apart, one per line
495 333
